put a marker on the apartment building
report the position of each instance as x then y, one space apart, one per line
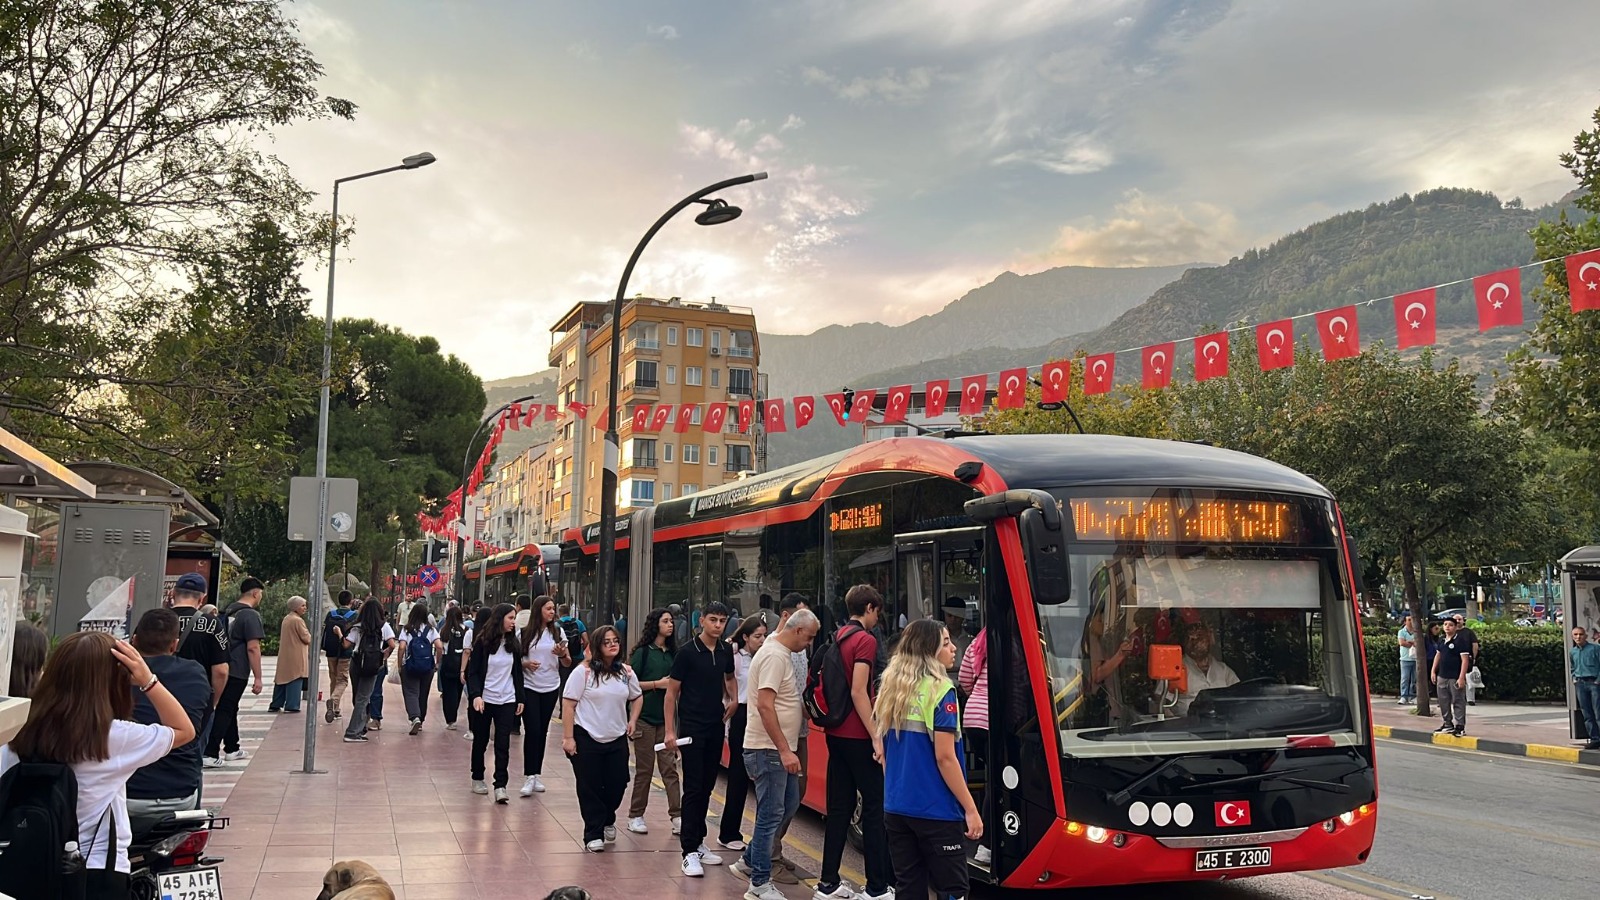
673 351
513 502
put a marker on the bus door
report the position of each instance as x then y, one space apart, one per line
705 585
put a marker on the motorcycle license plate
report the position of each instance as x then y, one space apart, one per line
191 884
1232 859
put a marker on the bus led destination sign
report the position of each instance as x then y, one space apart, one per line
1203 521
856 518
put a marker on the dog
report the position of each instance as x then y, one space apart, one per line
570 892
354 880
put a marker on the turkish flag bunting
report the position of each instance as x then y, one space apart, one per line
1013 389
515 417
862 408
1098 373
581 410
1275 344
1583 280
1499 297
747 414
899 401
836 406
937 392
1211 356
685 417
716 415
552 412
974 389
1339 332
641 419
1055 381
1414 318
663 412
774 416
804 409
1157 365
532 415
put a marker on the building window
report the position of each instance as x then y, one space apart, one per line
691 453
572 355
666 453
695 419
742 344
644 374
740 382
716 339
691 375
672 374
641 452
690 488
693 337
716 378
666 491
672 335
711 454
643 493
739 458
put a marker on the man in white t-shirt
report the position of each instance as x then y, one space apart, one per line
770 745
1205 670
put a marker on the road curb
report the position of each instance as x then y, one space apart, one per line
1489 745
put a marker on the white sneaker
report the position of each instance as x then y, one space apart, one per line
609 833
983 857
677 824
888 894
768 891
740 869
466 736
839 893
595 846
732 845
692 867
637 826
212 762
709 858
538 785
480 787
450 726
527 786
237 754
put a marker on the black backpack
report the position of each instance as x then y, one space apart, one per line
369 654
827 696
38 817
574 632
333 644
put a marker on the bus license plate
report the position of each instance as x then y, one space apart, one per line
191 884
1231 859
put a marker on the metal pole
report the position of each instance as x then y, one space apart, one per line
319 547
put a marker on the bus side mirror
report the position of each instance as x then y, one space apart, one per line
1044 547
538 584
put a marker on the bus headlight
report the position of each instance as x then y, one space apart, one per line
1097 834
1348 818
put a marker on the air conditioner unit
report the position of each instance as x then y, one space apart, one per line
716 351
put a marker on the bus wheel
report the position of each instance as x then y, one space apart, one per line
857 840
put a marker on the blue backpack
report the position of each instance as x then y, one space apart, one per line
419 653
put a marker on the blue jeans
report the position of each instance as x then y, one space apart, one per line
1589 704
287 696
777 799
1408 679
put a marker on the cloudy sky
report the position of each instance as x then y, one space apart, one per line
917 148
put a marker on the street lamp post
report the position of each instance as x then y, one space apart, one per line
461 537
319 546
715 213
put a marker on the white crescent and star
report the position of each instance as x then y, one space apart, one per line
1099 367
1340 332
1490 294
1230 814
1278 347
1160 355
1583 275
1056 372
1420 307
1012 384
1211 349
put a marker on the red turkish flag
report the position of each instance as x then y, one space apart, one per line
1055 381
1098 373
532 416
1013 389
1499 296
936 393
515 417
641 418
1414 318
836 406
1157 365
804 409
1275 344
1339 332
1583 280
774 416
1211 356
662 414
685 417
581 410
1232 813
974 388
862 408
747 414
716 415
899 401
551 412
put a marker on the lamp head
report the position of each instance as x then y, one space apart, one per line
418 160
717 212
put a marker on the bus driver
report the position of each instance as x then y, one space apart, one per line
1205 670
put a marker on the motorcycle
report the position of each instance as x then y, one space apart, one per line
169 861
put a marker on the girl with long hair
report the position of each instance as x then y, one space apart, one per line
746 640
80 718
480 618
544 652
497 694
413 684
600 710
452 664
29 646
368 636
652 662
927 807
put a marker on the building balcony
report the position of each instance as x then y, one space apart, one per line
642 386
738 465
643 346
641 462
742 352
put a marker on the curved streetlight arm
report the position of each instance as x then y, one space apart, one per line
466 460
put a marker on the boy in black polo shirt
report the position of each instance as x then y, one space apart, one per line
701 694
1450 667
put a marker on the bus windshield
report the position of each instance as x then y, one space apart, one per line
1202 620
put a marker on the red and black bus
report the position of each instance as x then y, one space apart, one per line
528 571
1120 749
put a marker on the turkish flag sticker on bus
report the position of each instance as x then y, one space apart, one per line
1340 335
1157 372
662 414
716 415
974 388
1275 344
1233 813
1211 356
863 405
1414 319
899 402
774 416
1055 380
747 414
1099 372
804 409
641 418
1499 297
1013 389
836 406
1583 280
936 394
685 417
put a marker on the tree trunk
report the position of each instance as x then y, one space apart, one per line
1419 624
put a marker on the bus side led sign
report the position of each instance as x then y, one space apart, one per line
856 518
1162 519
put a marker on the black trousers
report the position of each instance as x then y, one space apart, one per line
601 771
927 853
732 828
225 729
701 760
501 716
450 697
853 772
536 727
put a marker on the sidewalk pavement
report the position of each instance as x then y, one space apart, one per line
1536 730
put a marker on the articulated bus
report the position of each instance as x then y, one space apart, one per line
1177 686
529 571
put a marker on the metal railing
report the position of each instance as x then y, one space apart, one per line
745 352
647 345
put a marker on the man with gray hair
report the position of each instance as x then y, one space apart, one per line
783 869
770 751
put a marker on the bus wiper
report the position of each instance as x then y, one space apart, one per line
1330 786
1122 796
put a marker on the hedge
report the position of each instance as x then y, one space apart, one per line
1519 664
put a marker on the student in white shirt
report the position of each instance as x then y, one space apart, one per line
746 640
1205 670
544 652
600 710
364 681
497 695
414 685
80 718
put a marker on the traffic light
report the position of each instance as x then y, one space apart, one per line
849 401
438 552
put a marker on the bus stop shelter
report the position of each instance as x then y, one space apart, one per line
1580 594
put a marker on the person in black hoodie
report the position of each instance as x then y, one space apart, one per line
495 687
245 633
